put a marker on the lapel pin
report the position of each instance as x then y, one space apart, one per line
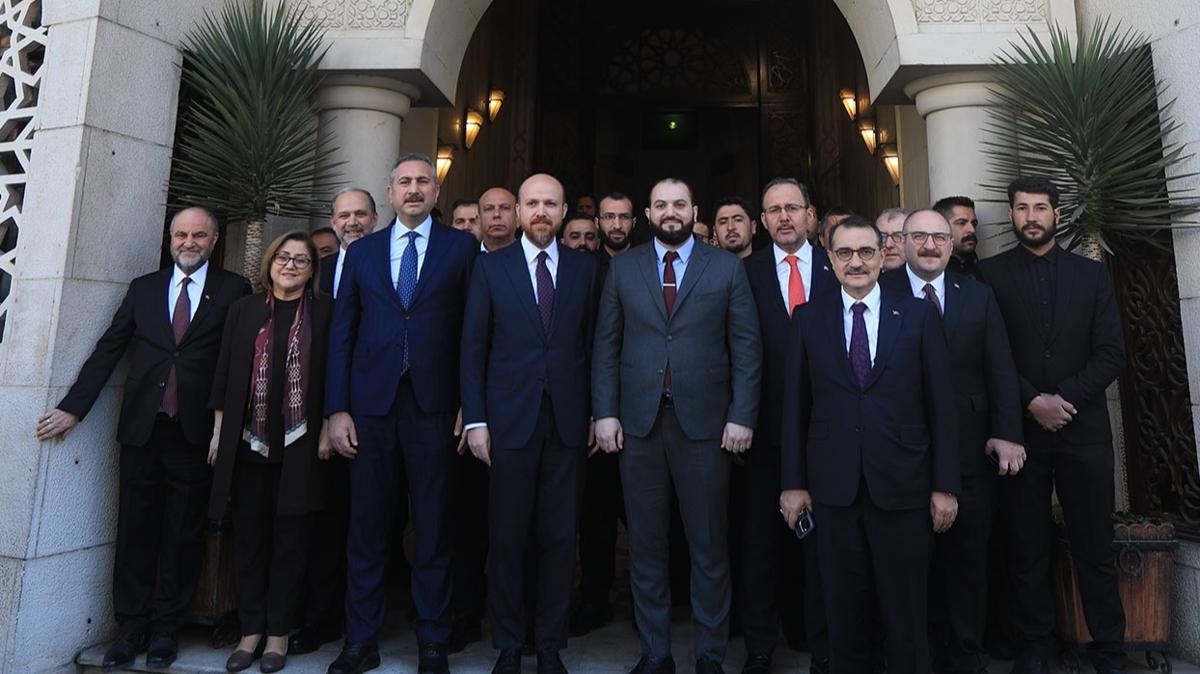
895 312
956 285
208 297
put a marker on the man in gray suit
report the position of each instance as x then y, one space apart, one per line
675 385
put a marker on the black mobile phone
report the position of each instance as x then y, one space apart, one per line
804 524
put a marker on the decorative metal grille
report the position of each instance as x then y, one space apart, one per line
22 52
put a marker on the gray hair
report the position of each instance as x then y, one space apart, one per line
889 214
212 219
411 156
349 190
776 182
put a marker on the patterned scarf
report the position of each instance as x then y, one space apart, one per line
295 414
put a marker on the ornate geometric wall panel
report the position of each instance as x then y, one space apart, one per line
22 52
677 59
947 11
985 11
359 14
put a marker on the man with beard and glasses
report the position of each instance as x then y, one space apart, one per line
890 223
960 212
1065 334
989 436
615 220
527 338
734 227
497 219
464 216
173 319
869 448
675 386
702 232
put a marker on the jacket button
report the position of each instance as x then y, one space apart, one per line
1046 354
162 384
858 429
660 371
175 354
669 338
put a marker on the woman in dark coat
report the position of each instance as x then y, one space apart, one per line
268 441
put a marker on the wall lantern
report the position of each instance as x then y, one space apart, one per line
445 159
473 125
866 128
850 102
891 160
495 102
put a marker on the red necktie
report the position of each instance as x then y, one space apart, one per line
796 295
669 299
180 318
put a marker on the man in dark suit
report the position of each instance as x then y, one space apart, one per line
173 318
782 278
869 437
525 354
1066 339
392 400
675 390
989 435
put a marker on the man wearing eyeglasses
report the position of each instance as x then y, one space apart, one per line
989 435
870 444
890 223
782 277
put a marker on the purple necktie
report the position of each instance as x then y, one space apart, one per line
860 348
932 297
545 291
181 317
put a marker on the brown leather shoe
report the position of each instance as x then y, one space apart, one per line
239 661
272 662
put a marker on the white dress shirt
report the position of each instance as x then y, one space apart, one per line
337 271
784 270
681 262
531 252
918 285
870 317
400 243
195 290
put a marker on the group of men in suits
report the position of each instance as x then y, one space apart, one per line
883 415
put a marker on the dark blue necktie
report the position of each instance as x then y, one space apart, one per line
406 285
860 348
545 291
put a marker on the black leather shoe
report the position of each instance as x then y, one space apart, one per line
1031 664
356 658
819 666
707 666
431 659
550 663
162 651
588 617
648 665
124 650
463 634
509 662
757 663
311 638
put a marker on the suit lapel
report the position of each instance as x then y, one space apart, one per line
952 306
890 320
649 266
822 272
836 327
769 278
695 270
564 287
164 304
433 257
518 275
206 293
383 259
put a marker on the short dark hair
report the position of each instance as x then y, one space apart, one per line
1033 185
586 196
348 190
264 271
578 215
946 205
732 201
462 201
616 196
833 212
776 182
323 230
857 222
676 181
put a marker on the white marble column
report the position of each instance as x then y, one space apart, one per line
954 106
363 115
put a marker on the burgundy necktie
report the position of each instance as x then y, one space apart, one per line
669 299
932 296
180 318
545 291
860 348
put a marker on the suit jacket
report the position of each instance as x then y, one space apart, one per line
328 271
1082 353
898 432
300 487
710 339
370 325
143 319
773 320
508 360
986 393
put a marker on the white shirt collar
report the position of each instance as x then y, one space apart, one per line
531 251
198 277
918 284
872 300
399 230
685 251
804 254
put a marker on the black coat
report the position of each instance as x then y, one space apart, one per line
301 487
144 320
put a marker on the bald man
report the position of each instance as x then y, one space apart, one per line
497 219
527 337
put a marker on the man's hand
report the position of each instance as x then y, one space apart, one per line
943 508
1051 411
458 432
592 445
736 437
343 434
324 443
1009 455
55 423
213 445
792 502
609 435
480 442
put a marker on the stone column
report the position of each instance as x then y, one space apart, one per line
954 106
362 116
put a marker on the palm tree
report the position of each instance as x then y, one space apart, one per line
249 145
1088 117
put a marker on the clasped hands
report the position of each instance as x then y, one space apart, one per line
1051 411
